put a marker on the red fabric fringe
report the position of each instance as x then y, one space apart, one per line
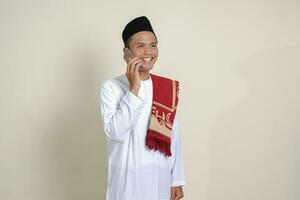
157 141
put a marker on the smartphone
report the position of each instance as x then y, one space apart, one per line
127 55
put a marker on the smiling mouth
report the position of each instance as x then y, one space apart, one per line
147 60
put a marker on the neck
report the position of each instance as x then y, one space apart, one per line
144 75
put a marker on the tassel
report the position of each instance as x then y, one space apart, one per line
157 141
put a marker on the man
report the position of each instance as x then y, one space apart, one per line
139 116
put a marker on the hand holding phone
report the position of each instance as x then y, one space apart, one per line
132 71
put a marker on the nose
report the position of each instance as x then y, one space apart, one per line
147 50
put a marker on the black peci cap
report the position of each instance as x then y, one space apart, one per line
136 25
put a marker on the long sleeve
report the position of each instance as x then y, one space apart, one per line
119 114
178 178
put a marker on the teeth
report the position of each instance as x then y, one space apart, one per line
147 59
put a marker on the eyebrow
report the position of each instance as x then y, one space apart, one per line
146 43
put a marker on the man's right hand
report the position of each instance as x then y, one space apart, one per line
132 73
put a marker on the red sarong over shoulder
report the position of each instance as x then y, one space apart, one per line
164 105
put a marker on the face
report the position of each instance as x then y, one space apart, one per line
143 45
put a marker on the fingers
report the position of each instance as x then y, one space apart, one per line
137 67
133 65
129 65
132 73
178 196
176 193
132 60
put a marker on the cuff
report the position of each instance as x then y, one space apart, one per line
178 183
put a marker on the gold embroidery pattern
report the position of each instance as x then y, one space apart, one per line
163 117
163 114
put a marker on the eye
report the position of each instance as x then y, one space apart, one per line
140 46
154 45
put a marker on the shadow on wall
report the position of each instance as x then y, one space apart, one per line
80 148
255 146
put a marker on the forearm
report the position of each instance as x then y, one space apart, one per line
119 125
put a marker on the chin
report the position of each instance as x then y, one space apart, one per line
145 68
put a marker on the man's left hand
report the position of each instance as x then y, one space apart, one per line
176 193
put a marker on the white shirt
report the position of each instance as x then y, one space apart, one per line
134 171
